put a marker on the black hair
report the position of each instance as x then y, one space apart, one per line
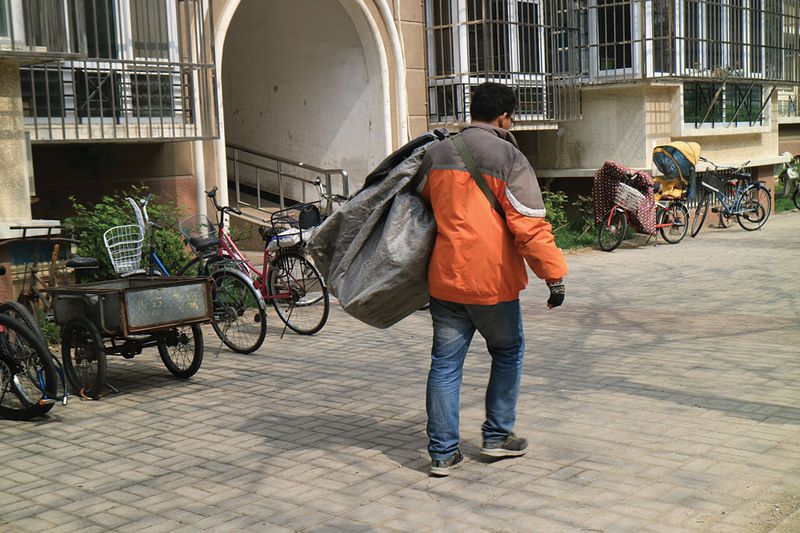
490 100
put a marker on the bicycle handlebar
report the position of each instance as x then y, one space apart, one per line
222 209
717 167
328 196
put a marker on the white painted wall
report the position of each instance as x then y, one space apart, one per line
612 128
298 82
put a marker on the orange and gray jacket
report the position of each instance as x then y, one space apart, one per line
478 256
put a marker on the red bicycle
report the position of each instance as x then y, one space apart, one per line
672 218
286 278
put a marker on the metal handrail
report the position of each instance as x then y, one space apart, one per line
293 174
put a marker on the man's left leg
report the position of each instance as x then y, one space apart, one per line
501 326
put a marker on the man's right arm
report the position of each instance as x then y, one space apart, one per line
525 217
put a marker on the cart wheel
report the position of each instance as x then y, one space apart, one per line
181 350
84 357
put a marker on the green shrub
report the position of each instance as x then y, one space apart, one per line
91 221
554 204
570 232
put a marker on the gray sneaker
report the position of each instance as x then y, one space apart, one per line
511 446
442 467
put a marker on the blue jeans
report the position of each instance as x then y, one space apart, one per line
453 328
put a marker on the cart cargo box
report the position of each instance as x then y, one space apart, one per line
133 305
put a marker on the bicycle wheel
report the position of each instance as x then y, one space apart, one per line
724 220
32 303
796 197
19 312
677 216
181 350
755 207
28 379
195 267
240 319
613 230
298 293
700 214
84 357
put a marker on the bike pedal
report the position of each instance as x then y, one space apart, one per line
47 401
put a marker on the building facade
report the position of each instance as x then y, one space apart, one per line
261 97
723 73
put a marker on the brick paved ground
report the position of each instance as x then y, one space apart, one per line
662 397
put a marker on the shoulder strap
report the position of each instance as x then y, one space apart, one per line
463 151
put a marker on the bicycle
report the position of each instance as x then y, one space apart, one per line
750 202
671 217
791 180
286 278
34 295
239 313
28 376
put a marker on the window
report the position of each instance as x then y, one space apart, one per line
721 37
488 36
101 37
4 14
528 42
143 34
97 93
733 103
152 95
150 29
42 93
614 39
471 41
442 37
663 44
755 36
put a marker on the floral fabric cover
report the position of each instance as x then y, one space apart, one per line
605 187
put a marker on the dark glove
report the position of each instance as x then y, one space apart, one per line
556 293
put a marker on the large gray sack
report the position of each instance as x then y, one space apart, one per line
374 250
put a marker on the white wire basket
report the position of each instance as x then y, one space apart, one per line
124 246
628 197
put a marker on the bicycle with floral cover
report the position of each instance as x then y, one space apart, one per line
627 199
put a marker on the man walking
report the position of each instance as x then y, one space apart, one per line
476 272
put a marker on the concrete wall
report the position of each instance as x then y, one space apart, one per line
299 83
14 190
412 33
88 171
612 127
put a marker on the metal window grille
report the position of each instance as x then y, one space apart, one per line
39 30
531 45
715 40
148 74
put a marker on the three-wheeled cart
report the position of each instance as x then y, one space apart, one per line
124 316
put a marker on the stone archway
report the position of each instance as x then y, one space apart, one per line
305 80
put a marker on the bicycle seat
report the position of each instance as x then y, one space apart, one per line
77 261
203 243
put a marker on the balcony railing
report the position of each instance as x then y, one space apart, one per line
148 75
701 40
530 45
40 30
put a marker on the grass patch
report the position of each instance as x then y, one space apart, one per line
571 238
784 203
